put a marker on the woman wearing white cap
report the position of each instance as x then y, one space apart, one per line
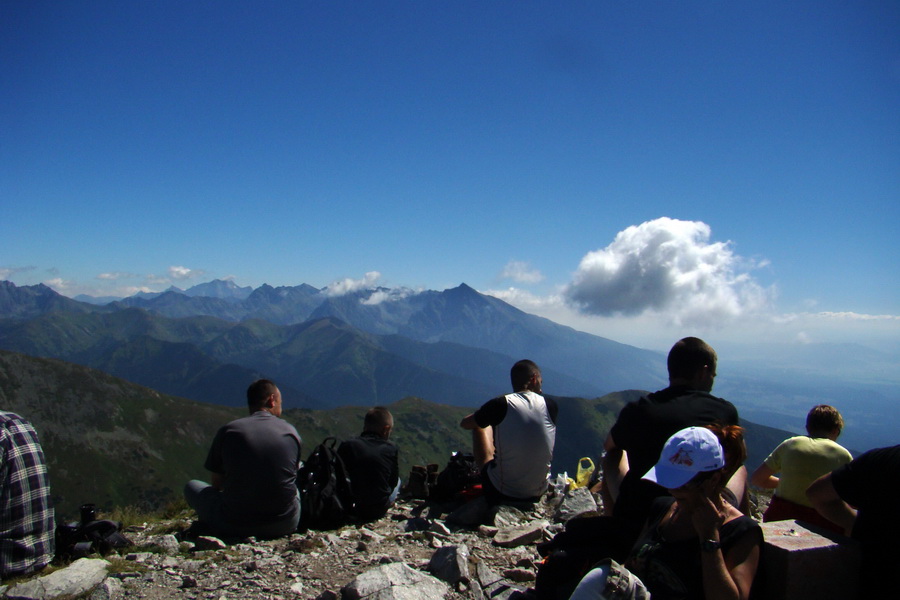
695 545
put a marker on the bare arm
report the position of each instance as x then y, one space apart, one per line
731 577
468 422
764 477
724 577
829 504
615 466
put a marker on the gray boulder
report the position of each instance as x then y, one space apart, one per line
450 564
394 581
78 578
574 503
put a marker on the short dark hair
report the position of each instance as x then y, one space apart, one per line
377 418
822 420
259 390
688 356
522 372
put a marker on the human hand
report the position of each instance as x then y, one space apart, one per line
708 512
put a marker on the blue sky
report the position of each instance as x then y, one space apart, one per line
637 170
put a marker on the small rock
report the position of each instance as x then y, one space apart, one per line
507 516
574 503
109 589
440 528
519 575
450 564
208 542
487 530
521 535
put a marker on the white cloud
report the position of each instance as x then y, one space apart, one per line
347 286
61 286
181 273
521 272
115 276
385 295
669 268
7 272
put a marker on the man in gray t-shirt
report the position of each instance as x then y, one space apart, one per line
253 463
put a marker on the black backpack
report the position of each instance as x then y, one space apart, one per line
326 497
76 540
461 473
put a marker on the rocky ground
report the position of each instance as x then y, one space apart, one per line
415 551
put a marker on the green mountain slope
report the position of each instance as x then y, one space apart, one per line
116 443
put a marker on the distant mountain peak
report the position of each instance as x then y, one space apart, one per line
225 289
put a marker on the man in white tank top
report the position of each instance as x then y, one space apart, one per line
513 438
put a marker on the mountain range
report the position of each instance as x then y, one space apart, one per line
378 345
452 347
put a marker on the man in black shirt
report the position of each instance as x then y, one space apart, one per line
638 436
372 463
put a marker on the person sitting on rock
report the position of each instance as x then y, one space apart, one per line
27 519
373 465
695 543
253 461
801 460
643 426
513 438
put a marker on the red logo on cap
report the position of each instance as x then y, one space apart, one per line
682 458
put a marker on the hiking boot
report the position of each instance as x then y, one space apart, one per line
417 486
433 469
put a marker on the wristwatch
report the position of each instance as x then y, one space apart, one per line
710 545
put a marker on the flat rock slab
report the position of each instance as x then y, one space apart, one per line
521 535
81 576
394 581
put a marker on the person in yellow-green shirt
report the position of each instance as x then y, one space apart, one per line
801 460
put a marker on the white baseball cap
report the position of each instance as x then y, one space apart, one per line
688 452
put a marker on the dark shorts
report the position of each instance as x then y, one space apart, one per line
494 496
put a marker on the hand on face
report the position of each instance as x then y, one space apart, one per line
708 509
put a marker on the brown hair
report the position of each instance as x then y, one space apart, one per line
732 439
822 420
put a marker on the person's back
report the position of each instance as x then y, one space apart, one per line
259 458
27 521
803 459
523 446
798 462
372 462
513 438
253 462
643 426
